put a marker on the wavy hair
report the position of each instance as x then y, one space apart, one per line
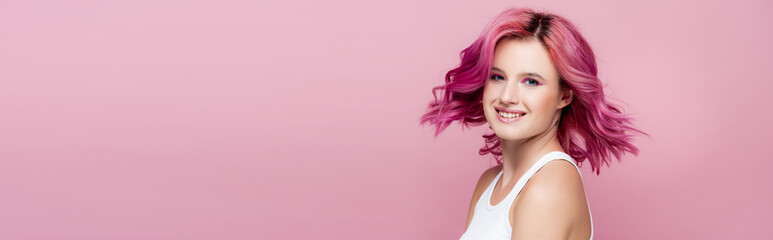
590 128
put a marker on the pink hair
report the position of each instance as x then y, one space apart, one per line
591 128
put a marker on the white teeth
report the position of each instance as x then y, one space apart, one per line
510 115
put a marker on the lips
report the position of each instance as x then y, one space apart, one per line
509 111
509 115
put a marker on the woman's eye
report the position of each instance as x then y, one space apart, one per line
531 82
497 77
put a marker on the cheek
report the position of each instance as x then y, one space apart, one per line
487 93
545 103
538 101
486 99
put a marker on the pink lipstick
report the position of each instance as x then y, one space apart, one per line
509 115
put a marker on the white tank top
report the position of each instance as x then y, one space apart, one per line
492 222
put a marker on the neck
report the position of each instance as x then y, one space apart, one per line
519 155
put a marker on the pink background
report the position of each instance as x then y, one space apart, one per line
299 120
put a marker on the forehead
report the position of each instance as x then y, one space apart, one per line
524 55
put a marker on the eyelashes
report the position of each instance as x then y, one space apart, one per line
496 77
528 81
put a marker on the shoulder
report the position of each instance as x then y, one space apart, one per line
553 202
558 176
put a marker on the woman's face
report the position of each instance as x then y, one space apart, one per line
524 85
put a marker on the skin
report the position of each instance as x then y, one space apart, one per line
552 204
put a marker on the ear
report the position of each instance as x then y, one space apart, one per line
566 98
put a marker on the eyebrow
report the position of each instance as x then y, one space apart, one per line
530 74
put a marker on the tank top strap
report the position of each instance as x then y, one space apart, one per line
533 169
492 221
529 173
539 164
522 180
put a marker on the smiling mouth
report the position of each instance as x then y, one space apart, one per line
509 115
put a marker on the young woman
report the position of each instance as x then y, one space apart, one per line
532 77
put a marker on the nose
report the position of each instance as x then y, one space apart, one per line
509 93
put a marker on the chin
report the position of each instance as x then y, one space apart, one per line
509 137
509 134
